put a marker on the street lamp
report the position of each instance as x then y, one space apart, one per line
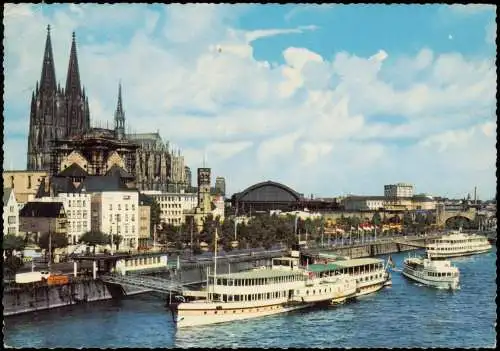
111 230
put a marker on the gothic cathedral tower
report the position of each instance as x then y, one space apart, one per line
77 104
47 113
55 113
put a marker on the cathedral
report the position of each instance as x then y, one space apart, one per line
61 138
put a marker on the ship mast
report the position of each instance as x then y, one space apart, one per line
215 258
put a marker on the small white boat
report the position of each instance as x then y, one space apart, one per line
438 274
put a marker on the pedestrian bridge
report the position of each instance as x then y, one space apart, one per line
162 285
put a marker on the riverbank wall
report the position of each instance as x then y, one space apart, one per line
26 298
371 250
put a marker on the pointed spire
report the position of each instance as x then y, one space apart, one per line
73 86
48 78
119 115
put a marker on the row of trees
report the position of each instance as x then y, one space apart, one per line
266 231
421 218
260 231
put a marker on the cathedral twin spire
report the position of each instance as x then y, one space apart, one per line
48 78
73 87
55 113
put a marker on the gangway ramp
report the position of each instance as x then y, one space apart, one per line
409 243
162 285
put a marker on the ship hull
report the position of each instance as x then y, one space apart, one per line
443 256
224 313
448 284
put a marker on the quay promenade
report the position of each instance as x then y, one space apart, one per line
181 273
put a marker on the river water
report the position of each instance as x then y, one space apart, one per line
405 315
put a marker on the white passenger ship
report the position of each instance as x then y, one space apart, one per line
457 244
261 292
371 274
439 274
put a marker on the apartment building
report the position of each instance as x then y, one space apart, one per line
398 190
363 203
117 212
38 217
78 213
173 205
10 213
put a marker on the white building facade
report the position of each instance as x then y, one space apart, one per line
10 213
219 210
363 203
78 212
398 190
117 212
173 205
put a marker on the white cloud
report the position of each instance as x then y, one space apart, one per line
491 33
263 33
471 9
277 147
226 150
309 122
313 152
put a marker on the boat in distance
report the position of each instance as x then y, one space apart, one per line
456 244
434 273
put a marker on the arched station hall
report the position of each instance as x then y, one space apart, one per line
265 196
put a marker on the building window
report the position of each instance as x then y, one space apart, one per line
29 182
110 207
119 207
12 219
126 207
12 182
12 208
133 207
11 230
83 203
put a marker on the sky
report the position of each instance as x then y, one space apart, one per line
329 100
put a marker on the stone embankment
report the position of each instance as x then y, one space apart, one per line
24 298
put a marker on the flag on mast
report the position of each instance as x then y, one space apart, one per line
390 262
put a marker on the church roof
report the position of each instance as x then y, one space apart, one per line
151 140
73 171
98 133
102 183
116 170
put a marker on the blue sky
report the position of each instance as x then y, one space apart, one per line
327 99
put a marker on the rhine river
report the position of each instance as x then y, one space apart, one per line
405 315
